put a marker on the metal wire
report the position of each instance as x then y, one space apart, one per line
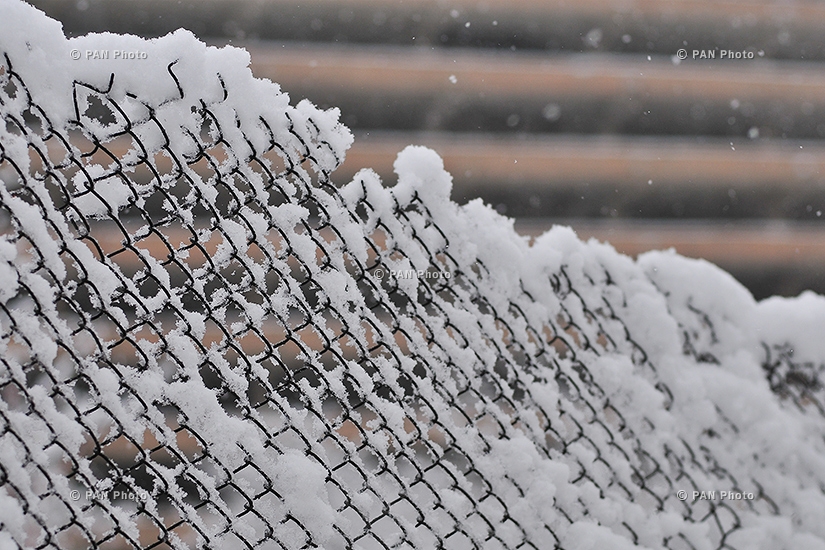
228 357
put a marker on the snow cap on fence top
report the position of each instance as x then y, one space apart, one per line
174 76
798 320
421 169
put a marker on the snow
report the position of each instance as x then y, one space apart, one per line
586 536
549 391
796 321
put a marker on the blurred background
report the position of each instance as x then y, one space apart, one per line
576 112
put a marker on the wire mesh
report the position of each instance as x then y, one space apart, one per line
206 343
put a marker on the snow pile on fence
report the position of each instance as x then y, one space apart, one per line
204 342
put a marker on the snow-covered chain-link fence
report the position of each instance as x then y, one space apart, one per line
204 343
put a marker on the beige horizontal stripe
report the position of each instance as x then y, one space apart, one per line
475 160
806 15
490 74
627 162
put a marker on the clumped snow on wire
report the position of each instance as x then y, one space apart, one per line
203 342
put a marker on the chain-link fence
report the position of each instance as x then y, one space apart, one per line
205 343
